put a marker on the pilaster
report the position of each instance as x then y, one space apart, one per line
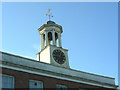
42 42
59 40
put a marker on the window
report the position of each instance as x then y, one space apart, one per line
61 87
35 84
7 81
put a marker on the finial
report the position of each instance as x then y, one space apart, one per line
49 14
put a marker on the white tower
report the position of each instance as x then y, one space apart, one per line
51 46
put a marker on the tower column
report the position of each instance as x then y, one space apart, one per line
42 42
59 40
46 38
53 37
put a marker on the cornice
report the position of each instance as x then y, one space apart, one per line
48 25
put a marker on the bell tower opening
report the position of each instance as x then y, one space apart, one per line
49 38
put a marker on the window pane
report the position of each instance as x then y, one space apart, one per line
35 84
7 81
61 87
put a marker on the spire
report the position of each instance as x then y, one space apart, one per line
49 14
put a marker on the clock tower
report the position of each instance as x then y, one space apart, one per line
51 46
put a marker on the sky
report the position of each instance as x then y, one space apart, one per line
90 32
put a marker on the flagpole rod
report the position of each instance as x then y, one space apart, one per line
49 14
49 17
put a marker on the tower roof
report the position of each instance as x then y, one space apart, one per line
50 22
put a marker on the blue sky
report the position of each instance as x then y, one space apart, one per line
90 32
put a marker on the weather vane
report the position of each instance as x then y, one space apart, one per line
49 14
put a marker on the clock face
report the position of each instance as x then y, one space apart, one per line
59 56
